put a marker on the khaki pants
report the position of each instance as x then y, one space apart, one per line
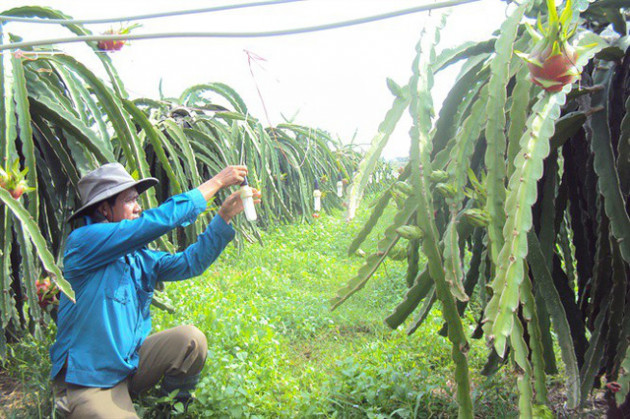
176 353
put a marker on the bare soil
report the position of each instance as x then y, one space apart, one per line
11 394
594 408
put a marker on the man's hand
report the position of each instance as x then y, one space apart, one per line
231 175
234 205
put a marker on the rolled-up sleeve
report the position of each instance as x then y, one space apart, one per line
95 245
197 257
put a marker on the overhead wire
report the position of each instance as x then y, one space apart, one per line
8 18
261 34
88 38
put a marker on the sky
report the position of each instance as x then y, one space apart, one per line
334 79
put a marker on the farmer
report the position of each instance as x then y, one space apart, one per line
103 351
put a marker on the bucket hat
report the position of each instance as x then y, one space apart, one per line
105 182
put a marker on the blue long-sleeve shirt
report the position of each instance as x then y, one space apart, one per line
113 274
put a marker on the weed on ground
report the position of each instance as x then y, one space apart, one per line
276 349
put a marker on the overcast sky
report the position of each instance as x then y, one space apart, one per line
334 80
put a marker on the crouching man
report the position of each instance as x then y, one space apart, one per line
103 351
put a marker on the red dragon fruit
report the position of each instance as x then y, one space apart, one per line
13 180
47 293
552 60
115 45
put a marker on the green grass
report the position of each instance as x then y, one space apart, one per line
277 350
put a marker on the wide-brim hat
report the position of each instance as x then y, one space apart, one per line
108 180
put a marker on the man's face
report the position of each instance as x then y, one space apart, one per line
126 206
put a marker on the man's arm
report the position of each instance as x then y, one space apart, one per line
98 244
197 257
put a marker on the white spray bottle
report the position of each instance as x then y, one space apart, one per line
340 187
247 196
317 195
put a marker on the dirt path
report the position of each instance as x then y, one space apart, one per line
11 394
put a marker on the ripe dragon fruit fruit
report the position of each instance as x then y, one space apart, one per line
13 180
552 60
115 45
